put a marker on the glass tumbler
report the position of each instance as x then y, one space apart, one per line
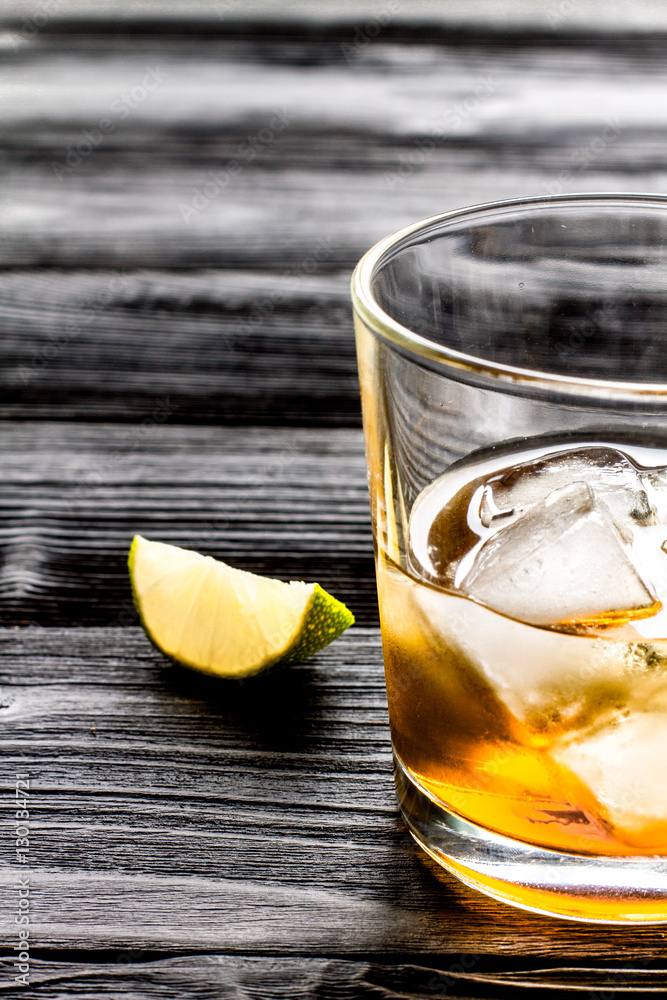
513 370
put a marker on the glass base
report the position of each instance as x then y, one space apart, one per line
590 888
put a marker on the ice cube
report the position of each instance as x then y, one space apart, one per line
457 510
561 562
610 474
551 682
624 764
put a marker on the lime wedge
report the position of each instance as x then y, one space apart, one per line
224 621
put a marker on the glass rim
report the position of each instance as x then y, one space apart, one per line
468 367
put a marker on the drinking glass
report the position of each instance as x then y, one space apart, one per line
513 370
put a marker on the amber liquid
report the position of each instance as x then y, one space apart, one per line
491 754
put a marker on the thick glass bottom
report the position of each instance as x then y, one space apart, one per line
574 886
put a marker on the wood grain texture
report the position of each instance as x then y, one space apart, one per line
131 974
168 811
363 147
202 90
289 503
188 838
204 347
595 16
275 221
98 311
252 320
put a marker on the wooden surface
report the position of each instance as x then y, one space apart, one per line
189 373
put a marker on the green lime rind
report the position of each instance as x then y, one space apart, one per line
324 621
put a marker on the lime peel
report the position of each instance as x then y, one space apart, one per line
225 621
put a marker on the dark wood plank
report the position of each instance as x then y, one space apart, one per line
168 811
175 99
208 93
362 148
275 221
132 975
590 15
289 503
367 145
212 346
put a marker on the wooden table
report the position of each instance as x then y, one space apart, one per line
185 190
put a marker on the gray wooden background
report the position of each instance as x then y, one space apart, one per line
185 190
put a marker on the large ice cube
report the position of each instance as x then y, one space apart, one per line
468 503
562 561
624 764
610 474
551 682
